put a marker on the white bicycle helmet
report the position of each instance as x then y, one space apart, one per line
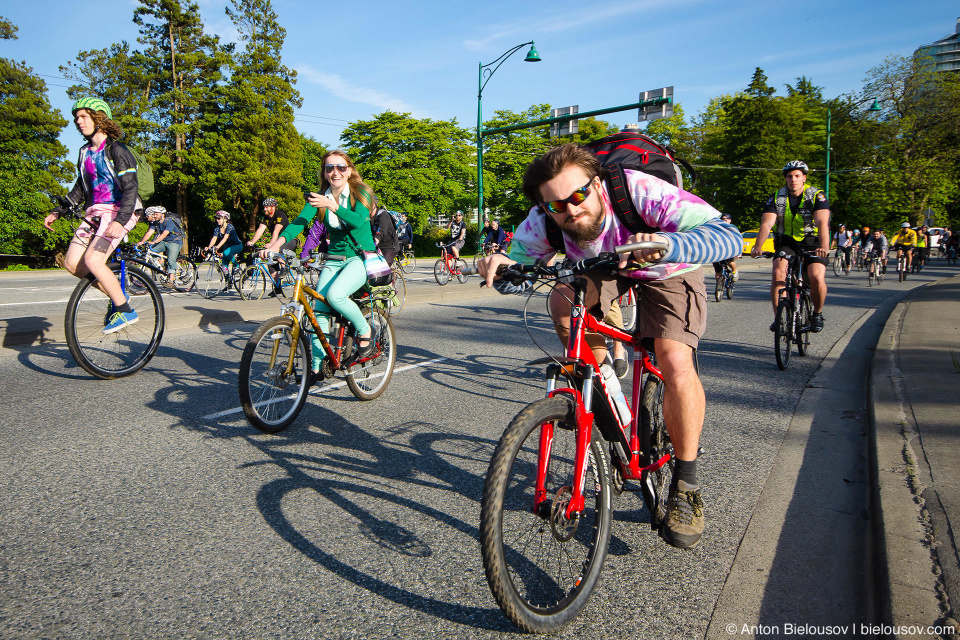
152 210
905 225
796 164
222 214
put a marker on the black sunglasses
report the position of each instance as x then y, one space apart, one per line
339 167
576 198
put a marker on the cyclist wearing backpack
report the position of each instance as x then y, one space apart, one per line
107 185
405 232
384 233
169 238
801 214
570 188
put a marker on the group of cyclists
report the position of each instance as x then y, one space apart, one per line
568 186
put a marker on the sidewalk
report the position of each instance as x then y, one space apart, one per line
915 412
190 311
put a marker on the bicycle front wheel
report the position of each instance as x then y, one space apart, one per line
126 351
186 276
718 289
728 280
655 444
782 332
209 279
440 272
271 397
542 566
838 265
254 283
369 378
628 309
409 262
399 292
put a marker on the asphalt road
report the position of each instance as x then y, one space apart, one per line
147 507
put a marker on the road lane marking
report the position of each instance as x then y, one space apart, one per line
332 385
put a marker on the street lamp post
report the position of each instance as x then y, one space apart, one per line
485 72
874 107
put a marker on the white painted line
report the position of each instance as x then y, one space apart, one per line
332 385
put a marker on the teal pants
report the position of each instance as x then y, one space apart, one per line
338 280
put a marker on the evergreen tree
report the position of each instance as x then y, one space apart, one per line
184 65
33 162
257 149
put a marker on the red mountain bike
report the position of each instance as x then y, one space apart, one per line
546 510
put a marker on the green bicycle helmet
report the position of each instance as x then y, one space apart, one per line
94 104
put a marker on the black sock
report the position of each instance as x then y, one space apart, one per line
124 308
685 470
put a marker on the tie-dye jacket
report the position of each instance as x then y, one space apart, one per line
695 235
107 175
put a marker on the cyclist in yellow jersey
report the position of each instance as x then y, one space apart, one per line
922 243
905 240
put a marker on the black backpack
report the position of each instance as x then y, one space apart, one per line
627 150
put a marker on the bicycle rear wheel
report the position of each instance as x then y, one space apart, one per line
654 445
783 333
628 309
126 351
255 283
440 272
400 292
186 276
271 398
540 565
209 279
369 378
461 267
802 330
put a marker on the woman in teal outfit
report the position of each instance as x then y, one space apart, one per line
344 203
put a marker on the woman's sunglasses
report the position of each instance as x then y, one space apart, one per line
339 167
576 198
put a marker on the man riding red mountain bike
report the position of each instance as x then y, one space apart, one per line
569 186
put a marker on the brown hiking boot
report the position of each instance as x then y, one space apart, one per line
683 524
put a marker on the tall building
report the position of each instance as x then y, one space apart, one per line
945 51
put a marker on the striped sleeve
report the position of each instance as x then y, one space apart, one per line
711 241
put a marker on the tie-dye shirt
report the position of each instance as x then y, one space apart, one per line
693 229
99 176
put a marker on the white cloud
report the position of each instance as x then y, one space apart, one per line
347 91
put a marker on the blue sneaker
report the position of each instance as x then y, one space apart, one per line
120 320
111 308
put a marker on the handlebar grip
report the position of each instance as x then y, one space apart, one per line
470 272
642 246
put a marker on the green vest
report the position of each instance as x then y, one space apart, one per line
796 224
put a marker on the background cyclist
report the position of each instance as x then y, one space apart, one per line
276 222
718 266
904 242
458 233
876 244
923 237
345 209
107 185
496 237
169 239
225 241
800 217
843 241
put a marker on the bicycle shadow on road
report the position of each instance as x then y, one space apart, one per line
382 509
28 331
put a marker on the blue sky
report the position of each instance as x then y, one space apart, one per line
355 61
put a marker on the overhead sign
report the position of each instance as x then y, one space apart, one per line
567 128
663 107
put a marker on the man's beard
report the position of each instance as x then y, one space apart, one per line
584 235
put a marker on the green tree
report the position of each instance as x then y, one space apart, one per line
257 148
33 162
422 167
311 169
915 144
184 65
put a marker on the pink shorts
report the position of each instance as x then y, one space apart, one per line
105 213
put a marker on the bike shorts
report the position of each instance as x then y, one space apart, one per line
903 247
458 244
791 247
105 214
674 308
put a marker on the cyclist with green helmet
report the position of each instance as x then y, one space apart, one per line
107 185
